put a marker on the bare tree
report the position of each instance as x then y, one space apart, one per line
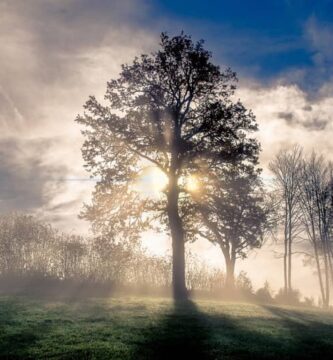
317 212
286 168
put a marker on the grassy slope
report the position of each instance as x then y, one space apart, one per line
146 328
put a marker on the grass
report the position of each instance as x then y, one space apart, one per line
148 328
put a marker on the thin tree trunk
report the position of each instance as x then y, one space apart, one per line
289 251
330 263
178 242
325 253
285 252
320 278
315 248
327 266
327 280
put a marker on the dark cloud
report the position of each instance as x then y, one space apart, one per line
307 108
310 124
288 116
316 124
26 181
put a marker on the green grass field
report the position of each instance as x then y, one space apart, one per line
148 328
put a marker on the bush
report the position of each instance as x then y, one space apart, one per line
244 285
264 294
292 297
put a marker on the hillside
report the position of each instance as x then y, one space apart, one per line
148 328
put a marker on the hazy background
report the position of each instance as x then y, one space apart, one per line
54 53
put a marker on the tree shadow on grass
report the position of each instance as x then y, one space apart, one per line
188 333
181 334
309 337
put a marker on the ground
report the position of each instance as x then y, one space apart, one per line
155 328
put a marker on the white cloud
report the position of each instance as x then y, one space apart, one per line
55 54
320 36
286 115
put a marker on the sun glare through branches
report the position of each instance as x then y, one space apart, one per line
151 181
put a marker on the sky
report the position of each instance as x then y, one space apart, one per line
55 53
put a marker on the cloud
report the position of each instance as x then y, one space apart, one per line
54 54
27 181
320 36
287 115
311 124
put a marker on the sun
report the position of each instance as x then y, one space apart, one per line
151 181
192 184
157 179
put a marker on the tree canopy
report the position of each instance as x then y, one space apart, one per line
173 110
233 213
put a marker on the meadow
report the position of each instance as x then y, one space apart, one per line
157 328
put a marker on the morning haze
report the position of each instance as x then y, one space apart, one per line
200 172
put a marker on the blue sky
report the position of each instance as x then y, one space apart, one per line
263 39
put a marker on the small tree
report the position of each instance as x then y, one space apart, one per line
233 214
264 294
244 285
171 110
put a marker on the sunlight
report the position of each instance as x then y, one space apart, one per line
192 184
158 179
151 181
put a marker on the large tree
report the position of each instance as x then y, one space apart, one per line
172 109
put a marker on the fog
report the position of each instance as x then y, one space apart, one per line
56 53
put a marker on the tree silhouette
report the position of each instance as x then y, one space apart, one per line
316 203
233 214
171 109
286 167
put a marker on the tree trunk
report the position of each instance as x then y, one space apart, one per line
285 252
230 269
289 250
178 242
313 237
327 267
230 275
322 291
327 281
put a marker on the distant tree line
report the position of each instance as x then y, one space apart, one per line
31 248
35 257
